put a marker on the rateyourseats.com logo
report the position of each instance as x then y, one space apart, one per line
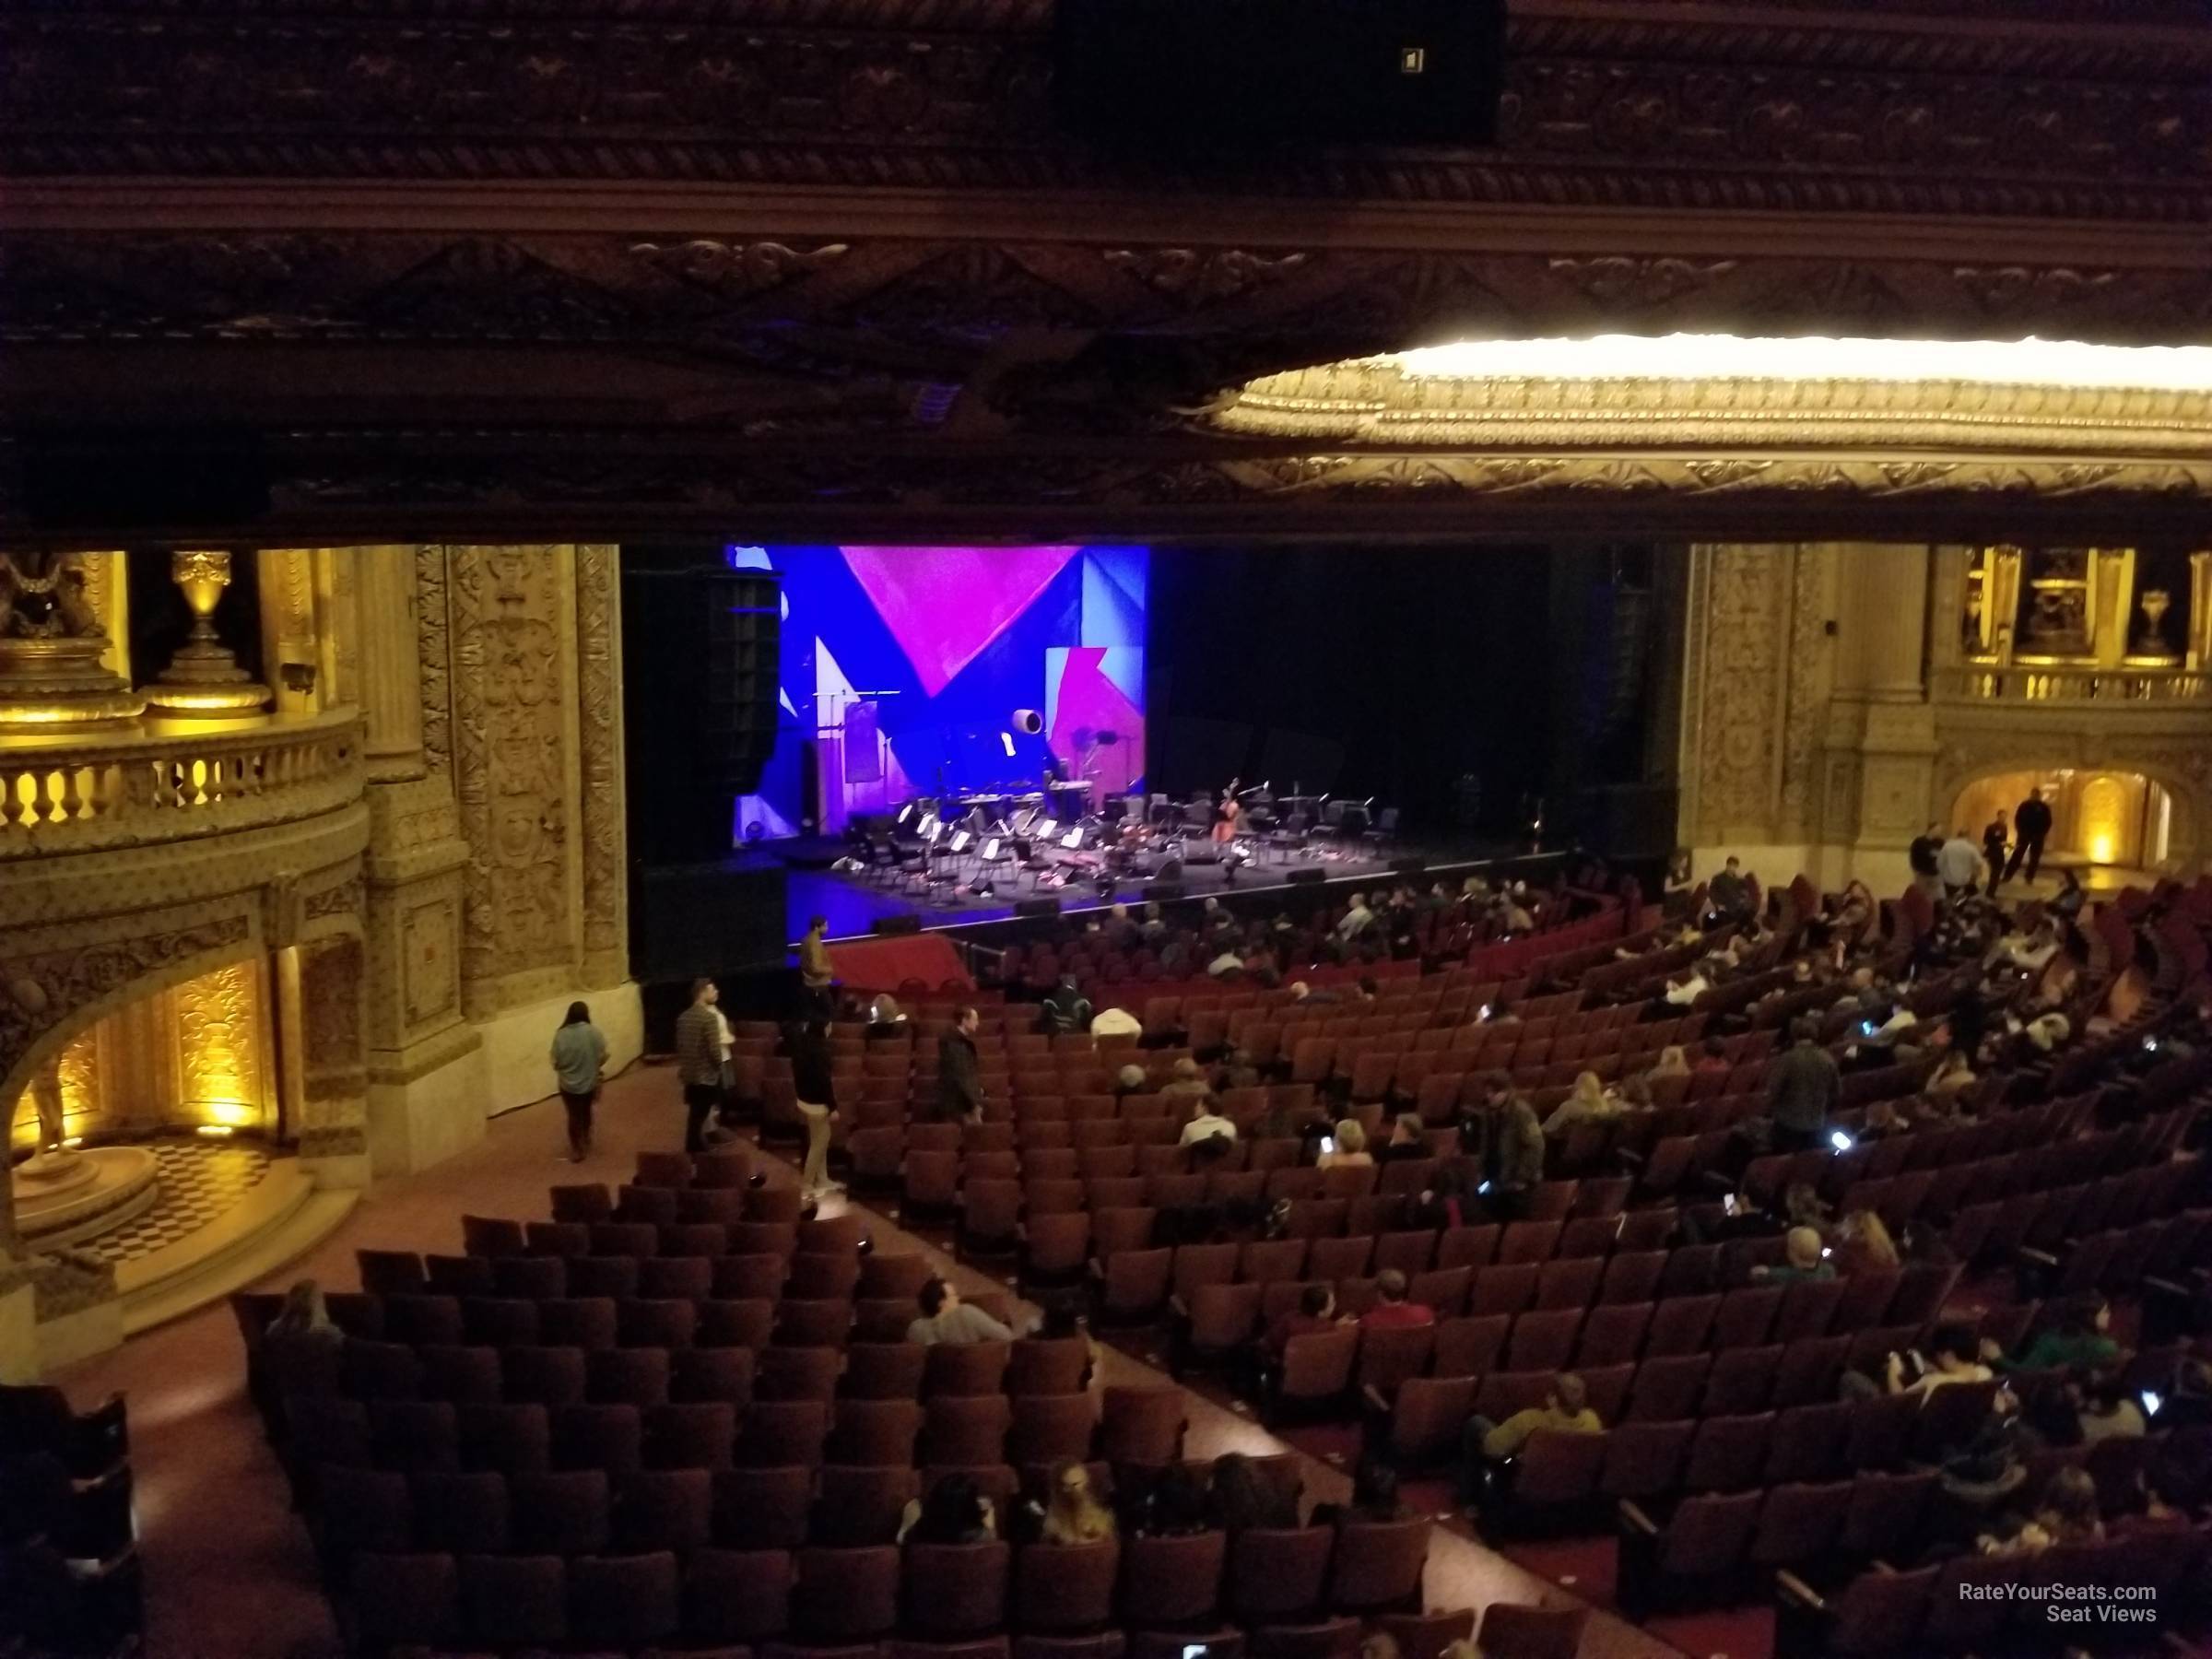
2074 1604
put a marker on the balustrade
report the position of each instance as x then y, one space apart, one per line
81 794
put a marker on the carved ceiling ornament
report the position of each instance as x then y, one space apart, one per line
1820 112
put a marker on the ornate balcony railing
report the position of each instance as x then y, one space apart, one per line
93 792
2104 687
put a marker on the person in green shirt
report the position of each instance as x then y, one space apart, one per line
2079 1341
1566 1408
578 1062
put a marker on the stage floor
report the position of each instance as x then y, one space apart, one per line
852 904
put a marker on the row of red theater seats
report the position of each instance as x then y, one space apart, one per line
1766 1318
1671 1388
925 1592
618 1435
540 1510
1981 1603
589 1323
1567 1482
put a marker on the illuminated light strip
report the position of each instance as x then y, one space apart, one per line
2028 362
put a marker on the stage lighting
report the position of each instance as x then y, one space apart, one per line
1028 722
755 833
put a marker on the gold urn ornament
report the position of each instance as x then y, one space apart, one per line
204 680
52 679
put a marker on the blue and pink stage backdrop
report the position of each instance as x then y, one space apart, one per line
902 668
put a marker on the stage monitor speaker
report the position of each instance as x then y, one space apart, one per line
906 921
724 917
1171 870
1196 76
1036 907
1309 875
1629 820
1163 891
699 653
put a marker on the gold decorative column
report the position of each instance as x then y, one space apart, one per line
2200 609
51 677
204 678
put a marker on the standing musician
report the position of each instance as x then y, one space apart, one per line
1225 815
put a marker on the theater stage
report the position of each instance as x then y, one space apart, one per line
853 905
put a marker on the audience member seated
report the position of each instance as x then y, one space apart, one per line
1712 1059
2079 1340
1175 1505
1066 1010
947 1319
1074 1516
1242 1497
302 1329
1349 1148
2066 1514
1408 1139
1187 1082
2110 1411
954 1510
1315 1313
1950 1360
1391 1311
1207 1124
1805 1257
1114 1020
1485 1443
1864 1244
1588 1103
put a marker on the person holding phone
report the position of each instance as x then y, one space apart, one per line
1803 1088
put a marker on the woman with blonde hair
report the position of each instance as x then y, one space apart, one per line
1864 1245
1350 1149
1588 1103
1671 1063
1073 1514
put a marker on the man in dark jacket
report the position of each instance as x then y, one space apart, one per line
698 1062
1802 1088
959 1074
2031 825
1509 1141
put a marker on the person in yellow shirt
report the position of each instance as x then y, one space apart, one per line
1567 1407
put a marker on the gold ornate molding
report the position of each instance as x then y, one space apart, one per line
1374 403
